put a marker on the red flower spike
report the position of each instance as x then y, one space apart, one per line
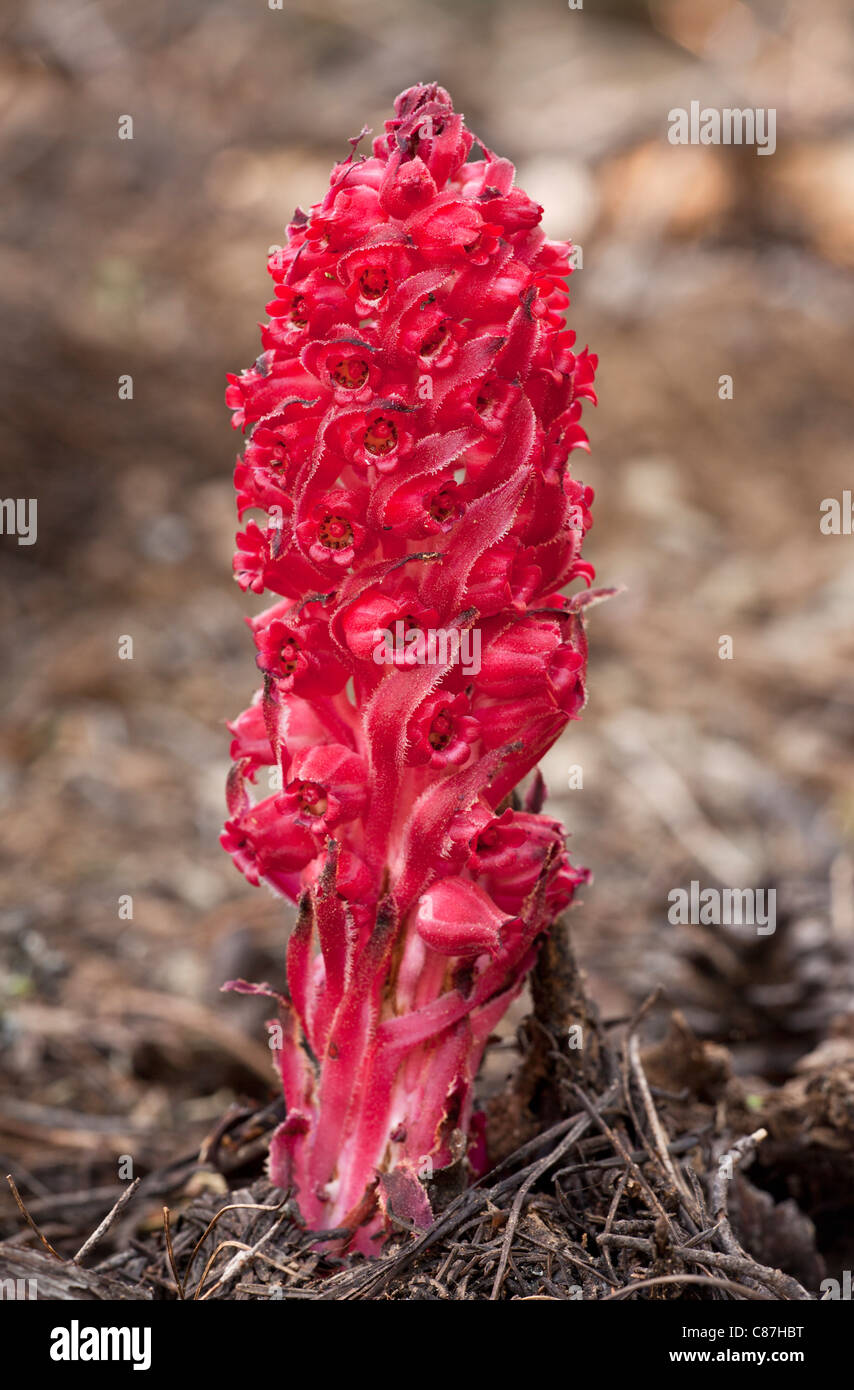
411 420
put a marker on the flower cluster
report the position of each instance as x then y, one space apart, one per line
409 425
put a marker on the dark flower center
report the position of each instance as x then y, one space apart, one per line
434 340
381 435
443 506
373 282
441 731
485 402
313 798
350 372
299 316
289 655
335 532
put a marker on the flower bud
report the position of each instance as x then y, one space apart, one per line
457 918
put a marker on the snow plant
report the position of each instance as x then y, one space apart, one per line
409 424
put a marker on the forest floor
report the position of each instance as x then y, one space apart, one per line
119 1055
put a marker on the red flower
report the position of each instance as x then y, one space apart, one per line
333 532
504 577
425 507
266 846
251 743
296 651
442 731
348 213
371 273
529 657
494 847
317 302
346 367
375 613
538 852
328 787
376 438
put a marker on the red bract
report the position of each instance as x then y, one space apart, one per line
411 420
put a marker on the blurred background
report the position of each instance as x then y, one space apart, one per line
147 257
